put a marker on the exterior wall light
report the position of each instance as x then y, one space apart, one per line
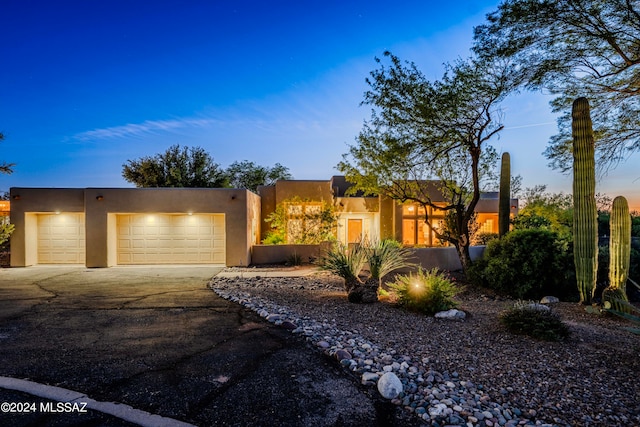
100 198
16 197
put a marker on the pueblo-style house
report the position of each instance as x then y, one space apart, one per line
103 227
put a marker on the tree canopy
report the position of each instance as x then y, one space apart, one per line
176 167
421 131
574 48
249 175
6 168
194 167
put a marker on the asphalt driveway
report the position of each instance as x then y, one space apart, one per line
157 339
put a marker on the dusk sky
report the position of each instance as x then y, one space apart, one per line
87 85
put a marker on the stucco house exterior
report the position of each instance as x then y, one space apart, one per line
103 227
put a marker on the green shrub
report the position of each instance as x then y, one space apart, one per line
483 238
527 263
427 291
534 320
5 232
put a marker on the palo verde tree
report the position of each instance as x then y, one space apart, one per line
176 167
248 175
6 168
422 131
575 48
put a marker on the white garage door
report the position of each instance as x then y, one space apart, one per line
61 238
170 239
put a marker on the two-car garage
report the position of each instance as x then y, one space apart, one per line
141 238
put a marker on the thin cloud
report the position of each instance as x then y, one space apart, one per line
148 127
530 125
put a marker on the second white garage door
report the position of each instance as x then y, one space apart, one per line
170 239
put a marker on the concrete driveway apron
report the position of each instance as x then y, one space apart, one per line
157 339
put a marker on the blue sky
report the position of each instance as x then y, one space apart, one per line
87 85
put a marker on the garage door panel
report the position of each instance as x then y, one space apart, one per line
61 238
170 239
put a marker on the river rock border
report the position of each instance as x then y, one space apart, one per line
439 398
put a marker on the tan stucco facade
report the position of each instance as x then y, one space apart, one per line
102 206
103 227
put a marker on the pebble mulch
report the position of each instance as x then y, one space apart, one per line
455 373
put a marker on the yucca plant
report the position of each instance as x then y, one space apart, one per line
344 262
385 257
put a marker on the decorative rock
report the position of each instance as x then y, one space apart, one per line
437 409
369 378
287 324
389 385
538 307
451 314
323 344
342 354
549 300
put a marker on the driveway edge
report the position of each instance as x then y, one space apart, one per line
118 410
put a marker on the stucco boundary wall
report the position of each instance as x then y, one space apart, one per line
279 254
443 258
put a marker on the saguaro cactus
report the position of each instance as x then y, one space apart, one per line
585 215
619 247
504 203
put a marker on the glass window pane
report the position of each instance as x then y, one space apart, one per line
408 231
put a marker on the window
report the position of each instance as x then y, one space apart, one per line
303 220
414 229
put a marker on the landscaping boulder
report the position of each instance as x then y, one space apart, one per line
452 314
389 385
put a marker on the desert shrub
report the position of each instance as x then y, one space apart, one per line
5 232
527 263
426 291
294 259
483 238
534 320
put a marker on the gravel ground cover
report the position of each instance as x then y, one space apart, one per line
469 372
